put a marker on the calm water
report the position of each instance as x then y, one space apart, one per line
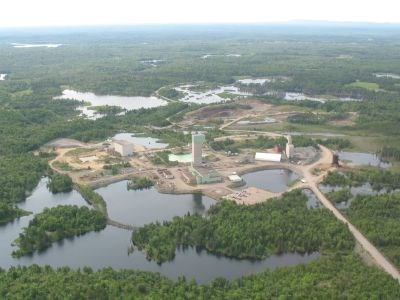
248 81
148 142
18 45
182 158
227 55
312 200
363 159
276 180
146 206
387 75
109 247
39 199
322 134
128 103
365 189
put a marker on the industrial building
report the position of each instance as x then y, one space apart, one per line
201 173
274 157
205 175
289 147
197 145
122 147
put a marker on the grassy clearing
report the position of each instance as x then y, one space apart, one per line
365 85
78 151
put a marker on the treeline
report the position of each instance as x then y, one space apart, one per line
19 175
378 217
60 183
308 118
261 142
390 153
378 178
254 231
57 223
10 212
330 277
335 143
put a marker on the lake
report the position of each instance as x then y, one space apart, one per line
109 247
274 180
128 103
141 207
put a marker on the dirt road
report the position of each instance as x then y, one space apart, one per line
312 182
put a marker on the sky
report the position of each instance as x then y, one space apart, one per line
28 13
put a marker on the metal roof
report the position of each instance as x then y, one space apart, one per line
275 157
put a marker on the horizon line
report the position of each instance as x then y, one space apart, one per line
290 22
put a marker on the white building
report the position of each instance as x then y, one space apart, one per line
197 145
122 147
235 178
274 157
289 147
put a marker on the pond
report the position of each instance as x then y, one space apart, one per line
300 96
249 81
109 247
209 96
152 62
182 158
362 159
19 45
128 103
274 180
318 134
312 199
137 139
364 189
226 55
387 75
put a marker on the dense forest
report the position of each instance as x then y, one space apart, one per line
19 175
330 277
378 217
57 223
254 231
325 62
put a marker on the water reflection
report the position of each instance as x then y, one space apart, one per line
276 180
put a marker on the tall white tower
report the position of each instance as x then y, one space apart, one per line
289 147
197 145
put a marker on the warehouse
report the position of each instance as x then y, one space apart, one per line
274 157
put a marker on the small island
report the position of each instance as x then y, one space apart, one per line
54 224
